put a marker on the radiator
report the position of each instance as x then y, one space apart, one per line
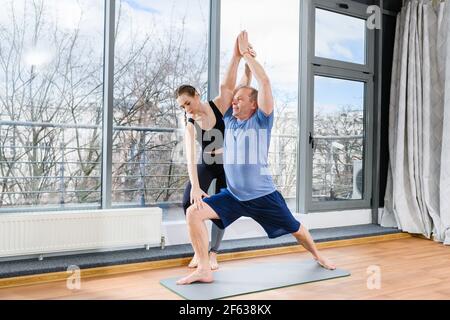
54 232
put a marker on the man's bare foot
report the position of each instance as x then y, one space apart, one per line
194 262
324 262
213 261
197 276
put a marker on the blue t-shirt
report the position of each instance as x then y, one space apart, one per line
246 150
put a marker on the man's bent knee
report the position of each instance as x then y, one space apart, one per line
192 214
191 209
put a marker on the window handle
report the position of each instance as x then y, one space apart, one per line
311 140
343 5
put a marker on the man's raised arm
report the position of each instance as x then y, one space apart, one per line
265 98
223 101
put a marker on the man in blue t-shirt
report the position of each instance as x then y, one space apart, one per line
250 189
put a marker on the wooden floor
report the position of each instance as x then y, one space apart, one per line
411 268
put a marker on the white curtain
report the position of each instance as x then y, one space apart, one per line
417 196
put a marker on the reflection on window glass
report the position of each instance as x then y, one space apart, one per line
51 91
340 37
273 32
160 45
339 139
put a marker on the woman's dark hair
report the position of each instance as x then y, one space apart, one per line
185 89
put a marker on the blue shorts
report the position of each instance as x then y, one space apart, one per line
270 211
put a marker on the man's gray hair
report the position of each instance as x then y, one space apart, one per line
253 94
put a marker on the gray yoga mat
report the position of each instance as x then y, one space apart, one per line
254 278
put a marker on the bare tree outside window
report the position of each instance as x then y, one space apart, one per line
50 102
159 46
51 90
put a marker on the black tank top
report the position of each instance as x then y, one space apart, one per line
205 138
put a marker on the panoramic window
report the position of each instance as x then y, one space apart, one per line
51 91
159 46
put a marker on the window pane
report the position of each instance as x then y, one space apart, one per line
339 139
160 45
51 91
274 32
340 37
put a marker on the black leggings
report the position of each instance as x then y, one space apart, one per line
206 174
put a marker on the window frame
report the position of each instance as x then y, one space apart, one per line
331 72
311 66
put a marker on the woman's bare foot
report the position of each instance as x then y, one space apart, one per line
213 261
194 262
324 262
197 276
